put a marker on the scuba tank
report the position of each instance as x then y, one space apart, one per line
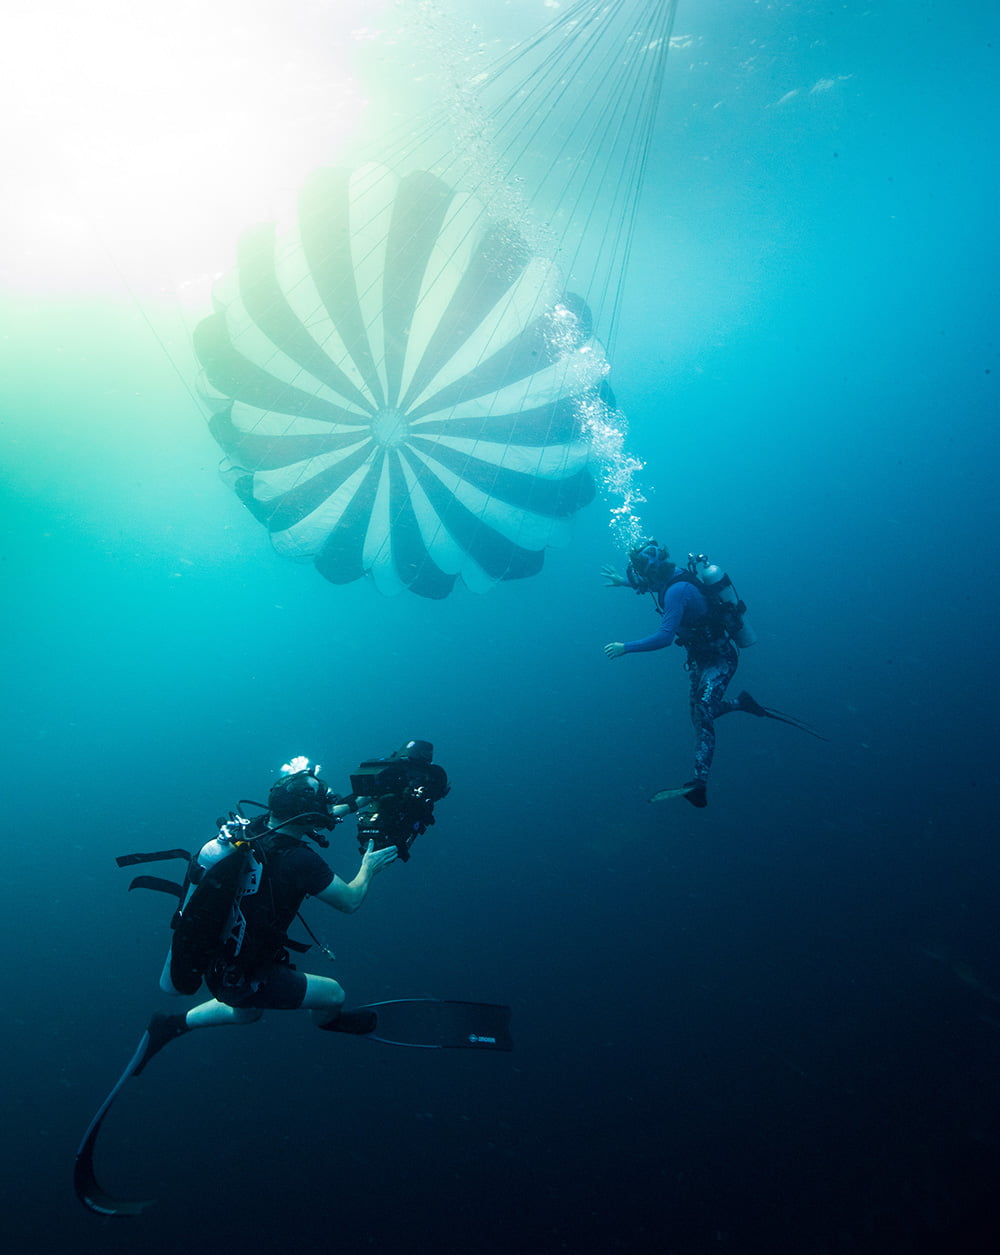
721 593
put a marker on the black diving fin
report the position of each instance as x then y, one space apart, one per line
436 1024
427 1023
85 1183
753 707
770 713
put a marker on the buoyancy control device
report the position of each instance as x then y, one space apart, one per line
724 601
209 922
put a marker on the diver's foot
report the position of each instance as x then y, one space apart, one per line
360 1023
749 704
696 792
160 1032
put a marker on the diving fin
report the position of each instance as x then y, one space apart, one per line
430 1023
753 707
695 792
85 1183
437 1024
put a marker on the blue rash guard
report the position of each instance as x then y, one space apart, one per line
684 607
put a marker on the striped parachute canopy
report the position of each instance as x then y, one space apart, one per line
398 384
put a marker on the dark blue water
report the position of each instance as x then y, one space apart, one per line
772 1026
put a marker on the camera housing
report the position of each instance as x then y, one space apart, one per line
403 789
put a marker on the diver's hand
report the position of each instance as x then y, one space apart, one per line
613 578
374 860
614 649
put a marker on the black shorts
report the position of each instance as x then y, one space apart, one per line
270 987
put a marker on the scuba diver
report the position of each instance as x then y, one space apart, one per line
239 898
699 609
253 973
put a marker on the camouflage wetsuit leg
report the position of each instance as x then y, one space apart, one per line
711 672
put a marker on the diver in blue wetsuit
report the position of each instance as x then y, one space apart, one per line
706 628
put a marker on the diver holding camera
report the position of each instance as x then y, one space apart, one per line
243 891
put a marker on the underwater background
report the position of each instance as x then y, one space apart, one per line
771 1026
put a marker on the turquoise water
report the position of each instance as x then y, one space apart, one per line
770 1026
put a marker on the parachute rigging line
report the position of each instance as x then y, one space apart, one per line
570 114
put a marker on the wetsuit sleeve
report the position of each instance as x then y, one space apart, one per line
673 611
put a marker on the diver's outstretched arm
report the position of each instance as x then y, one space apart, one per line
347 896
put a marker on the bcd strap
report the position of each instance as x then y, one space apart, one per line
157 883
161 886
158 856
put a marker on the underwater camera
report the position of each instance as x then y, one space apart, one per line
403 789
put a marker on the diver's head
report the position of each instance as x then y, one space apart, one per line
301 799
649 567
